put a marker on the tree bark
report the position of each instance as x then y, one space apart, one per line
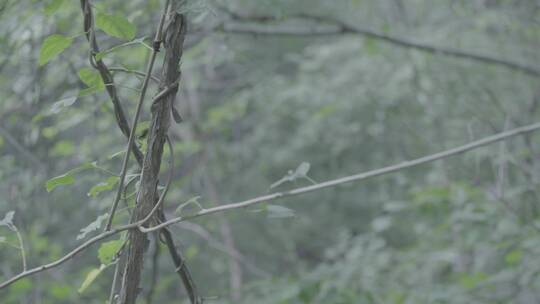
174 34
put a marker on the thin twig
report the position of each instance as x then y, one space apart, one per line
337 27
138 73
21 247
274 196
356 177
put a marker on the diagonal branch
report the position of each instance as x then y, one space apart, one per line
331 183
352 178
257 25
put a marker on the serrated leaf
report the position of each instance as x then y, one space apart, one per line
116 26
64 179
90 278
95 225
276 211
103 186
53 46
53 6
108 250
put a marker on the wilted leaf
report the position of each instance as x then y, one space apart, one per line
90 278
300 172
52 47
61 104
302 169
8 220
108 250
276 211
95 225
116 26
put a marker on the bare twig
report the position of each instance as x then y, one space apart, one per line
337 27
128 71
274 196
21 248
356 177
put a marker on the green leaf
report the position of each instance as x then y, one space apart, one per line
64 179
90 278
276 211
513 257
63 148
103 186
108 250
67 178
116 26
95 225
52 47
471 280
53 6
92 79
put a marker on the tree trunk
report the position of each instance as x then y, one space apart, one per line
174 34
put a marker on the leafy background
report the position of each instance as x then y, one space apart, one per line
462 230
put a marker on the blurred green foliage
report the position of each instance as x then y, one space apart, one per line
461 230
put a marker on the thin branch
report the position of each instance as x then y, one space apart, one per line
274 196
356 177
131 140
21 248
128 71
337 27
